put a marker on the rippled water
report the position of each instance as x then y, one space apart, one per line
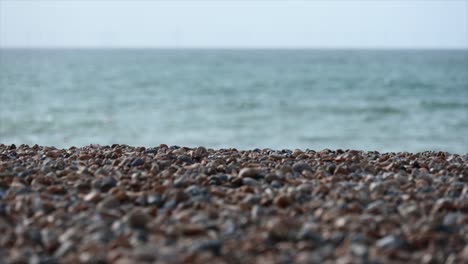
370 100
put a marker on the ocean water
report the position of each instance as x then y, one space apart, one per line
308 99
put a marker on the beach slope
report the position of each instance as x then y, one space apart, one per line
122 204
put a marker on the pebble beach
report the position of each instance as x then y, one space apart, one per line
170 204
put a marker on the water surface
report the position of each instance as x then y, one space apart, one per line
316 99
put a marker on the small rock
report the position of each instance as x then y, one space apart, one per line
193 230
185 158
252 199
340 170
281 229
181 196
451 218
214 246
109 203
359 250
301 166
389 243
200 152
107 183
309 232
377 207
297 152
84 157
194 190
376 187
305 188
217 180
93 197
53 154
120 195
282 201
277 156
250 182
407 210
137 162
83 186
248 172
64 249
137 219
57 189
276 184
155 199
181 182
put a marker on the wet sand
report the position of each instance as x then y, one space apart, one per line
121 204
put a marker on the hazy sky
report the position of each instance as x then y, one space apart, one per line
428 24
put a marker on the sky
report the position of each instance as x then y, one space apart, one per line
244 24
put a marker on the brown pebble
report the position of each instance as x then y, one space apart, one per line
137 219
84 157
93 196
56 189
248 172
282 201
193 230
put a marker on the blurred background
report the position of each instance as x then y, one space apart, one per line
383 75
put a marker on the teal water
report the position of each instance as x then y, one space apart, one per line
316 99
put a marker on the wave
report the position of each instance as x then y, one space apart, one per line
434 105
361 110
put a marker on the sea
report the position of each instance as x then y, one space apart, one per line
372 100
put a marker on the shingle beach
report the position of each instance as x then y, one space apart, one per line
122 204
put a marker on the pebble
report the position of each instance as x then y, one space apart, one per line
92 197
359 250
282 201
137 162
137 219
301 166
276 184
214 246
155 199
389 242
107 183
64 249
376 187
185 158
109 203
248 172
250 182
281 229
376 207
452 218
305 188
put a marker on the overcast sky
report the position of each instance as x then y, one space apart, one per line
326 24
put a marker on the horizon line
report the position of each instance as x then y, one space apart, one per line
90 47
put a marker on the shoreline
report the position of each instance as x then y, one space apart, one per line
122 204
